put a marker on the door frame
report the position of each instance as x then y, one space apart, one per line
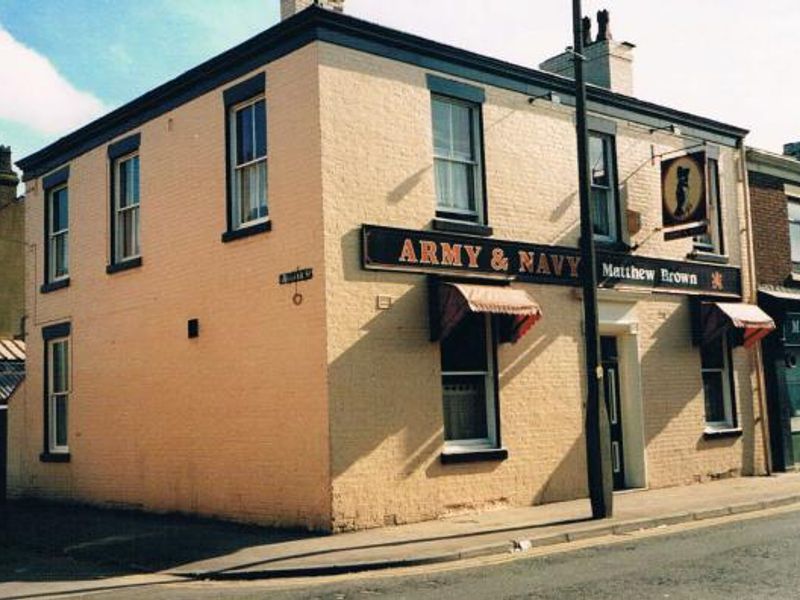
617 318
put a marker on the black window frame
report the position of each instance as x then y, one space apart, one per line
241 92
606 131
51 183
118 152
49 334
728 378
474 98
702 248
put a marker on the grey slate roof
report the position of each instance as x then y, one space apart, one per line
12 367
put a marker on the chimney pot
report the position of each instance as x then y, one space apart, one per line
290 8
792 149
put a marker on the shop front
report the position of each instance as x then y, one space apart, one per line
656 318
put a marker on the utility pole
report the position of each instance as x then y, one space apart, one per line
596 426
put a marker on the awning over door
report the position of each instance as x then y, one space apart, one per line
518 311
749 319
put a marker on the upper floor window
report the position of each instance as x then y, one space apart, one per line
58 233
457 149
126 208
605 207
715 359
246 204
794 231
248 150
712 240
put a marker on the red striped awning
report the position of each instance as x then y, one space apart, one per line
519 311
753 322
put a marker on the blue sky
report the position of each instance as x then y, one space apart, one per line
115 50
69 61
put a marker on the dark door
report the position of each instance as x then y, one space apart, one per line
610 361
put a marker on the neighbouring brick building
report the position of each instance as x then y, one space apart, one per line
12 249
774 182
383 325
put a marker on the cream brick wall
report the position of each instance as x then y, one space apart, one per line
385 391
232 423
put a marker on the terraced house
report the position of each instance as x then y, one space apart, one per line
330 278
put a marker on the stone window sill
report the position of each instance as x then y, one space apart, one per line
453 226
54 457
124 265
713 434
237 234
482 455
709 257
52 286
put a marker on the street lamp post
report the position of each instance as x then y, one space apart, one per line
598 452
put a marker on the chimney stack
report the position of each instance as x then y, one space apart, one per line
290 8
8 178
608 64
792 149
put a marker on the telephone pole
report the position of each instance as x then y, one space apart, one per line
597 434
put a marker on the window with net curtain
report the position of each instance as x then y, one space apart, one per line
716 374
468 383
58 234
249 164
794 231
59 390
457 159
126 207
604 194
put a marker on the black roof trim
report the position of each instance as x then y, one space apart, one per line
318 24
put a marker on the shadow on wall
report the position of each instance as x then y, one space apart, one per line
386 391
661 409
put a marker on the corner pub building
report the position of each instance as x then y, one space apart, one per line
329 279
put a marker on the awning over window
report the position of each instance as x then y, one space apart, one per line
749 319
518 310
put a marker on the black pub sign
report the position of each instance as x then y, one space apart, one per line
392 249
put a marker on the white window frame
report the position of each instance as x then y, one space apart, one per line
712 241
490 442
790 199
52 396
119 256
236 201
52 235
476 164
727 391
612 194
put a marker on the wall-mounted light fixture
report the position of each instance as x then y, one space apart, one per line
672 128
549 96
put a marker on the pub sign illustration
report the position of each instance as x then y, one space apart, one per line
683 185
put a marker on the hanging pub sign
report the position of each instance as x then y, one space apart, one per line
392 249
683 196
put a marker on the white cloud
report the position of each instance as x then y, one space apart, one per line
41 97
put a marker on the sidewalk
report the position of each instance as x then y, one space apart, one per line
185 547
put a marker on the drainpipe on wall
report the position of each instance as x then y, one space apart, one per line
753 293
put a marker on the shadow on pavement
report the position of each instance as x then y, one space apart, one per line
48 541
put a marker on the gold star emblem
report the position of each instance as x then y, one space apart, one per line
716 280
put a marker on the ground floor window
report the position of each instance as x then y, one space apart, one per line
717 383
468 384
58 390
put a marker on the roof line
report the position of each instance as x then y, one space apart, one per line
318 24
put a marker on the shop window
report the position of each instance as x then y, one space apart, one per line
605 199
468 385
57 390
126 208
457 150
712 240
794 231
717 383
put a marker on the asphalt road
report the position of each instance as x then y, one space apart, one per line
748 559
